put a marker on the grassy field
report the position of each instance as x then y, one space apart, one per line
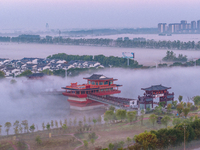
72 139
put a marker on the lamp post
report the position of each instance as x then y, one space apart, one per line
184 127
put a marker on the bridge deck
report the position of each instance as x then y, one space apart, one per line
118 102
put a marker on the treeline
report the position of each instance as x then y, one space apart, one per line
171 56
159 44
105 61
105 42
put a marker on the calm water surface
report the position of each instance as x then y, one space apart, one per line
143 56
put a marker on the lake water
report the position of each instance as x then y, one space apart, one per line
21 101
143 56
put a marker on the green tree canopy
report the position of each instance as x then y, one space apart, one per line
153 118
131 115
109 115
165 120
2 74
196 100
121 114
25 73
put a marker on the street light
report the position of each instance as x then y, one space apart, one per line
184 127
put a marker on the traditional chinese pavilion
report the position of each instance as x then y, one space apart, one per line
97 84
153 95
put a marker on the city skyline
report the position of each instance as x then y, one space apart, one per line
20 14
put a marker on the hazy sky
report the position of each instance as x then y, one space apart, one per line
34 14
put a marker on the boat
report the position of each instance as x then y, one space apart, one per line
162 34
97 85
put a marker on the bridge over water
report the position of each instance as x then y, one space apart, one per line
117 102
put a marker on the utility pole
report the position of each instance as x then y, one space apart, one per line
184 126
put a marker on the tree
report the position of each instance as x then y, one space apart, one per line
25 124
142 116
75 121
70 122
85 143
92 141
111 146
47 72
131 115
179 108
52 124
196 100
174 103
128 139
16 124
84 120
25 73
2 74
48 126
20 128
147 140
94 121
7 125
89 120
153 118
162 104
65 121
99 119
180 98
176 121
13 81
61 123
56 123
112 108
165 120
158 110
38 140
0 129
109 115
121 114
169 107
64 127
32 128
43 126
186 111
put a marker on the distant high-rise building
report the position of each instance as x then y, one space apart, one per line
198 24
171 28
162 27
176 27
183 24
47 26
188 26
193 25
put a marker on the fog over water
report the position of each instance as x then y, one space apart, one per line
143 56
22 100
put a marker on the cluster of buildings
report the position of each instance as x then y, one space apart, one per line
182 27
36 65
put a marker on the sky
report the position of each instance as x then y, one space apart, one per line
81 14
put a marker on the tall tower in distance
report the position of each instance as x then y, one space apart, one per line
193 25
47 26
198 25
162 27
